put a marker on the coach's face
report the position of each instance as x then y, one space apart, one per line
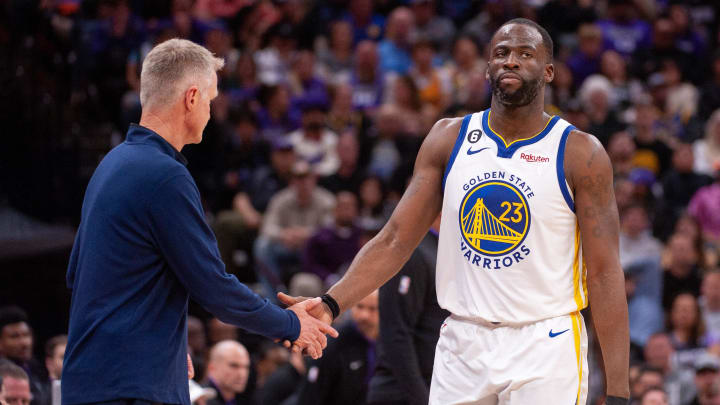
197 101
518 65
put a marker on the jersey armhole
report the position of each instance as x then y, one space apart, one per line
456 148
560 166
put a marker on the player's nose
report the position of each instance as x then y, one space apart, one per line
512 62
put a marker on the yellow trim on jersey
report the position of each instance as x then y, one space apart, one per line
576 270
517 140
584 283
577 328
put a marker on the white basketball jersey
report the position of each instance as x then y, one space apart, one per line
509 248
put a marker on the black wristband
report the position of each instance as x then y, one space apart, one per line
332 304
611 400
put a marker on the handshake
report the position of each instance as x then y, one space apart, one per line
315 319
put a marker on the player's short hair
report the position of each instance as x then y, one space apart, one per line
547 40
9 369
54 342
172 66
10 315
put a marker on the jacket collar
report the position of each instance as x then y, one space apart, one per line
141 135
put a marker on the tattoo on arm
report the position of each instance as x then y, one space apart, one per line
592 158
602 205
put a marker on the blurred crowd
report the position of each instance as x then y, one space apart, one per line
322 108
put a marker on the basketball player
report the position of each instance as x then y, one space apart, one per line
528 238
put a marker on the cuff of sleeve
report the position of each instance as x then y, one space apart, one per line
294 326
271 321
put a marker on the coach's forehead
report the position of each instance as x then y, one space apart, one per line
517 35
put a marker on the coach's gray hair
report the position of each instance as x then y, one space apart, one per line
172 66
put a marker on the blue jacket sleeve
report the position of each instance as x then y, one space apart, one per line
178 226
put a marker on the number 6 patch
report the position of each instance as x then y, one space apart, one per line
474 136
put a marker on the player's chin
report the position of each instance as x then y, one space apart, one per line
510 87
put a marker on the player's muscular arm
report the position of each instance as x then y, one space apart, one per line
589 173
384 255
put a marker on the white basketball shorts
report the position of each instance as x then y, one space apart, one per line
479 363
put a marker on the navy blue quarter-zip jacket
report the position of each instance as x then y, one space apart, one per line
142 249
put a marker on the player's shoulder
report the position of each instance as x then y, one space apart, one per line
447 128
447 124
585 155
581 144
443 134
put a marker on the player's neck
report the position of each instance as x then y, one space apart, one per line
514 123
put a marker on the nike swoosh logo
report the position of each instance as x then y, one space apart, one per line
472 152
552 335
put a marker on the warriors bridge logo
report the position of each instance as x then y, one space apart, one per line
494 218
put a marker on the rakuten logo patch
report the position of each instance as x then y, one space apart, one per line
529 157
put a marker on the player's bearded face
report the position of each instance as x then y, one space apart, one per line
519 97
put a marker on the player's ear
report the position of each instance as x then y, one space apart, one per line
549 72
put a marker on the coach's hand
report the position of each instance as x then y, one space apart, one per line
312 337
321 311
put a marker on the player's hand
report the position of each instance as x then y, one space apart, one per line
321 311
289 301
191 369
312 339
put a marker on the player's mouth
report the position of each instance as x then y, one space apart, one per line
509 78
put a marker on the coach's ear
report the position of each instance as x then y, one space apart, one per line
192 97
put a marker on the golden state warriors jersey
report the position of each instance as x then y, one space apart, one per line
509 248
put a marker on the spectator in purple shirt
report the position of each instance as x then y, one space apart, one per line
306 88
622 31
243 85
687 37
366 80
332 248
276 118
586 59
705 206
